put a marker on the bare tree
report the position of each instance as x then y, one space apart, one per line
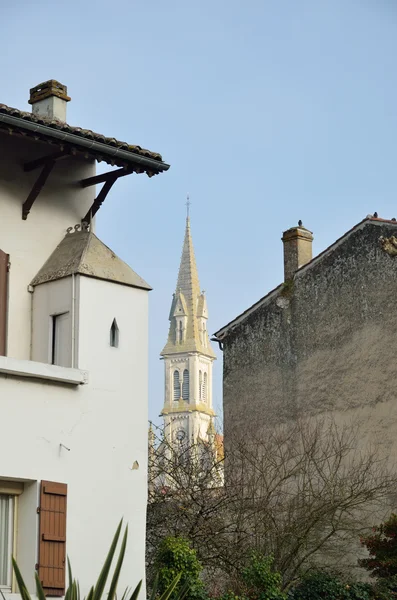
302 493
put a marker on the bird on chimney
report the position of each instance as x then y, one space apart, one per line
300 223
375 215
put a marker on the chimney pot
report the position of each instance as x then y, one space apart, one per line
49 100
297 249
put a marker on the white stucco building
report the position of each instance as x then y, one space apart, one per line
73 353
188 358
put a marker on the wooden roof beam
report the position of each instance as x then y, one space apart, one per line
110 175
38 162
37 187
101 197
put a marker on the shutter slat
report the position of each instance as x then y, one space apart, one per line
53 538
3 300
52 550
51 584
56 489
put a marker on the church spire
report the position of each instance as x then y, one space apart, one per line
188 315
188 356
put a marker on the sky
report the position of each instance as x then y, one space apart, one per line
268 111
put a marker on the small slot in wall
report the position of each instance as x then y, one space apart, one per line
114 335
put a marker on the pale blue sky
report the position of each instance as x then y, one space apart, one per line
269 111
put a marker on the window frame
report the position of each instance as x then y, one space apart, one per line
11 542
54 338
176 385
186 385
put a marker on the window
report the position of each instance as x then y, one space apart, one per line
6 539
180 332
177 386
3 301
60 338
185 385
205 387
200 384
114 334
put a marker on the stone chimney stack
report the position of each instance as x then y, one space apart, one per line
297 249
49 100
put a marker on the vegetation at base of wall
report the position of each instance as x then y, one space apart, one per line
97 591
175 556
261 581
385 589
300 493
317 585
382 548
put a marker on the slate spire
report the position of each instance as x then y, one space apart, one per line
188 309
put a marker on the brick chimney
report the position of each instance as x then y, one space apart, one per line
49 99
297 249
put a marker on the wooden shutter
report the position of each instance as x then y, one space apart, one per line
3 300
52 544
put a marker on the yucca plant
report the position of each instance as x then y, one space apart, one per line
97 590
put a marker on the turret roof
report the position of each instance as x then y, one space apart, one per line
81 252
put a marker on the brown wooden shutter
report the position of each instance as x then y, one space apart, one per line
3 300
52 545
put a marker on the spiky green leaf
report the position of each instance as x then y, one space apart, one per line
119 564
135 593
169 591
103 576
23 590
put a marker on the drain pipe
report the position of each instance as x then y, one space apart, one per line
215 339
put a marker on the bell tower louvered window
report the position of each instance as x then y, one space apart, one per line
205 387
185 385
177 386
200 385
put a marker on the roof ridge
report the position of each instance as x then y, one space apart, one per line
255 305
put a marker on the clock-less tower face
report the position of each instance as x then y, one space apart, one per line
180 435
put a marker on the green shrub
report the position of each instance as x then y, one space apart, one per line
260 581
385 589
320 584
382 547
175 556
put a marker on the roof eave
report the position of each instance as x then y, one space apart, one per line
115 155
36 281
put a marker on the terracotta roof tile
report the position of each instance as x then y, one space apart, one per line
79 131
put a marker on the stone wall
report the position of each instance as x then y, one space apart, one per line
324 341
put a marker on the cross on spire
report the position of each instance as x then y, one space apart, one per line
188 203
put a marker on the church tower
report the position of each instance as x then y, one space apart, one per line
188 357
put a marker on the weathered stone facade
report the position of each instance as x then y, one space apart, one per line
324 340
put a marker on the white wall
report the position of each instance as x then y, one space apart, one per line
61 203
104 423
